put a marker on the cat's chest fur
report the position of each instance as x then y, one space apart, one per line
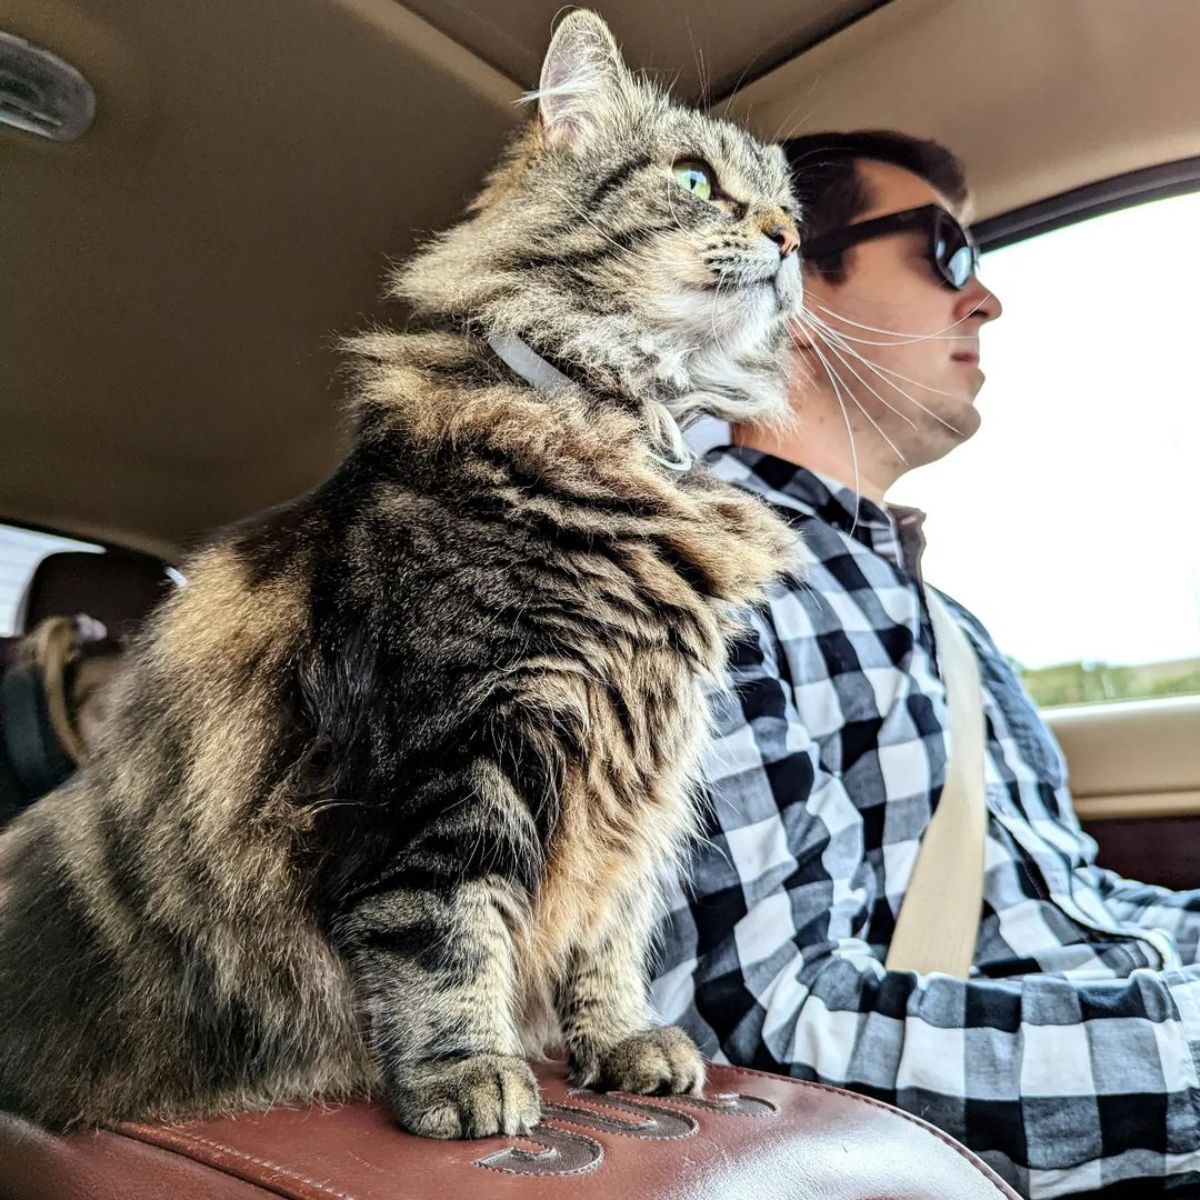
603 589
634 611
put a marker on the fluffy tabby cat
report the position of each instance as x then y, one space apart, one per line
386 790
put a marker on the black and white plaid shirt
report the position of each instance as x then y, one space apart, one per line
1069 1059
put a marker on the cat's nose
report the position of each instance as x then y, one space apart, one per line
785 236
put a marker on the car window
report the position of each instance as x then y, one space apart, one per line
20 552
1068 523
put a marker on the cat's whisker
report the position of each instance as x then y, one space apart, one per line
856 483
698 58
903 333
882 372
729 99
832 371
913 334
787 119
914 402
899 341
834 349
908 341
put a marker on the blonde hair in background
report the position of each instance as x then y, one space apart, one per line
49 649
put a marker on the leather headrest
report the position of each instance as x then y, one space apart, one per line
118 587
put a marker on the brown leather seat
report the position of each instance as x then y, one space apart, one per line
754 1137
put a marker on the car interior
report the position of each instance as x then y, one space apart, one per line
177 277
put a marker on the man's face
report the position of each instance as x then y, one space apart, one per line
927 369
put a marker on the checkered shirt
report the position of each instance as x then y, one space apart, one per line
1069 1059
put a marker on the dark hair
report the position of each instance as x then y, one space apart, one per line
832 192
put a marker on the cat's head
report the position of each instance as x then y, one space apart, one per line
648 250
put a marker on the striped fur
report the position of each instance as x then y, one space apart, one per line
386 789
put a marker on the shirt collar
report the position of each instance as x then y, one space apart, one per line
892 531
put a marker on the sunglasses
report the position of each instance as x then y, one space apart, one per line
951 249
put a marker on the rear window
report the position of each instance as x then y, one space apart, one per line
20 552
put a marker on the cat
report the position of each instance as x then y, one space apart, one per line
386 790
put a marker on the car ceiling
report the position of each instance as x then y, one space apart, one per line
175 282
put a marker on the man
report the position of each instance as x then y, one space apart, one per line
1067 1059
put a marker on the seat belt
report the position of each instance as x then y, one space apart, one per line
938 923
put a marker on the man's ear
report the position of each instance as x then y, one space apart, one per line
582 77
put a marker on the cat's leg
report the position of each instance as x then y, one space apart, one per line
606 1018
437 975
430 943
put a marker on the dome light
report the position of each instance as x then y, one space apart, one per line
41 94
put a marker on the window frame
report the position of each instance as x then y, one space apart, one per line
1159 182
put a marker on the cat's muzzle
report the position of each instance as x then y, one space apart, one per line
789 287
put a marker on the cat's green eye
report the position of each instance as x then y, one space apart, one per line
697 177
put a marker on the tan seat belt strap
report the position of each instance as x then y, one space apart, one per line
939 916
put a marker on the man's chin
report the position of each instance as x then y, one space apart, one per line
953 425
957 402
967 422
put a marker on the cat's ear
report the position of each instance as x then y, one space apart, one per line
582 76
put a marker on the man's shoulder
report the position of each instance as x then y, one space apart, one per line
974 626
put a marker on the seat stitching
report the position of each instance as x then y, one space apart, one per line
286 1172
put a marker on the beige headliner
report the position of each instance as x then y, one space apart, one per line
174 282
1037 96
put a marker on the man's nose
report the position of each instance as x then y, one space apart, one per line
980 301
782 230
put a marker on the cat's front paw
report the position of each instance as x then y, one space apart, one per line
469 1098
661 1061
